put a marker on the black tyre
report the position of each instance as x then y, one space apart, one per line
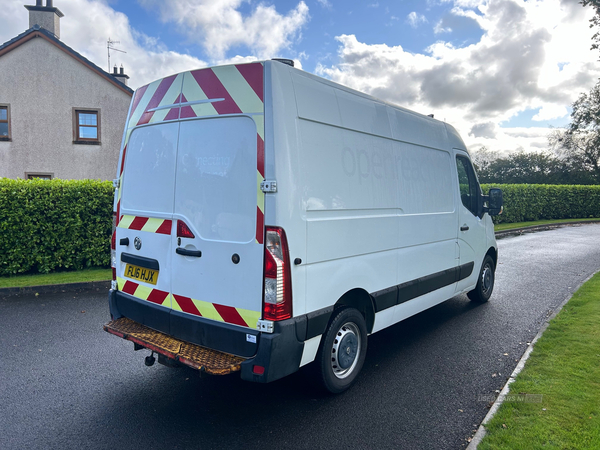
485 282
343 349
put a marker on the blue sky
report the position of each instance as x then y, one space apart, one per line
501 71
372 22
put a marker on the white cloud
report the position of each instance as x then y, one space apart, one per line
484 130
325 4
219 25
414 19
549 112
507 140
439 28
86 26
532 55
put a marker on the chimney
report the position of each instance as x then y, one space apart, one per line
121 75
46 17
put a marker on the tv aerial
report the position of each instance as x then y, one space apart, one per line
109 47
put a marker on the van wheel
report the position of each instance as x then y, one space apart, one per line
485 282
343 349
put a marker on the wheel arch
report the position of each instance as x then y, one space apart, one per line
361 300
493 253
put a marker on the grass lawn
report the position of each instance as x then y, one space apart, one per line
95 274
564 368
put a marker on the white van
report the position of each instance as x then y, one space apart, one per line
267 218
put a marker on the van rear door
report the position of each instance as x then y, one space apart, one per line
216 261
190 197
143 234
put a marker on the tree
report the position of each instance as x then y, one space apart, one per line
545 167
594 21
525 167
482 159
579 144
578 147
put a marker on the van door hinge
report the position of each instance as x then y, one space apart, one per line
116 183
265 326
268 187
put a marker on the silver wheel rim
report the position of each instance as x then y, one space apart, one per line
487 277
346 350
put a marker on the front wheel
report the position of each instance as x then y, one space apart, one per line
485 282
343 349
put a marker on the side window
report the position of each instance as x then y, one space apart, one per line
86 126
4 122
469 189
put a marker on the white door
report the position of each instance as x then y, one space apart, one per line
471 229
143 234
217 262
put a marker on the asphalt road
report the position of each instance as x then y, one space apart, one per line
66 384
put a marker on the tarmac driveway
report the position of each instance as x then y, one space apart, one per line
65 383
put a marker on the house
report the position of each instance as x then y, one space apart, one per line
61 116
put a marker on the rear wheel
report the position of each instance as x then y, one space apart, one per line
485 282
343 349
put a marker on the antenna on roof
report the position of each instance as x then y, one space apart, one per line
109 47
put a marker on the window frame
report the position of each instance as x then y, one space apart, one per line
9 136
41 175
474 188
77 139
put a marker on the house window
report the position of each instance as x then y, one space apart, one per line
4 122
86 126
41 176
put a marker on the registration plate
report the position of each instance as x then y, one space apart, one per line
141 274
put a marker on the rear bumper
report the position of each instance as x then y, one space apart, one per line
279 353
219 336
194 356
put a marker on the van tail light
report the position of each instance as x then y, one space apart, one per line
183 230
277 296
113 252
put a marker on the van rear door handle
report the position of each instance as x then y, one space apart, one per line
464 228
186 252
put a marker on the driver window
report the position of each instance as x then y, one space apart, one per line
469 193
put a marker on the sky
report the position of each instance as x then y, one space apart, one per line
503 72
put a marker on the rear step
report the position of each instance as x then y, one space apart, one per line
194 356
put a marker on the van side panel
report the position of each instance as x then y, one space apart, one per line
378 195
285 208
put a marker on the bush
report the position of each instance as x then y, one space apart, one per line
47 225
528 202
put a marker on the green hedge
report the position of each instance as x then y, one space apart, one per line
528 202
47 225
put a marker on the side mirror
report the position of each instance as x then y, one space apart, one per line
495 202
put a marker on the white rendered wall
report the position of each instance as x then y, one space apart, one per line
42 84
